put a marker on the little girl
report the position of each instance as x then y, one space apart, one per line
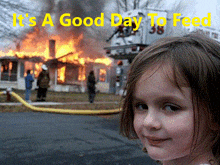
173 101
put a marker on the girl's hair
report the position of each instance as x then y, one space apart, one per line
195 61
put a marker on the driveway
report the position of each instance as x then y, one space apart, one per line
54 139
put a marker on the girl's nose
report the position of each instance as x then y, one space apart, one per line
152 121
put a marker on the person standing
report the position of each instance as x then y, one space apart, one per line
28 85
91 86
43 83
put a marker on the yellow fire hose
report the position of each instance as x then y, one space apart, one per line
63 111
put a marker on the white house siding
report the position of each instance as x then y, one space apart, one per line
103 87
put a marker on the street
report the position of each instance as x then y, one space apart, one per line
44 138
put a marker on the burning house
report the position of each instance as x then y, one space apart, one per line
69 52
67 72
13 70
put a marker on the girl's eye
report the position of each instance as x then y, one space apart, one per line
140 106
171 108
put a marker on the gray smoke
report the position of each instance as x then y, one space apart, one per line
77 8
82 9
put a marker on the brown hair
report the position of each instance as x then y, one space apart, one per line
196 60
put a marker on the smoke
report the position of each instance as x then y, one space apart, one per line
82 9
91 47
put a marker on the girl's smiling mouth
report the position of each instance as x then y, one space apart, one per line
154 141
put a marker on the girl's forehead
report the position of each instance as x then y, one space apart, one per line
168 72
165 69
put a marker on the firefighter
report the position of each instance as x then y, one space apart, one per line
43 83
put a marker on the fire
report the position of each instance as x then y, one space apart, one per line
61 74
67 47
82 74
106 61
36 44
10 68
37 69
102 75
10 65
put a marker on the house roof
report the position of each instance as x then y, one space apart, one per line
55 63
15 58
63 60
9 58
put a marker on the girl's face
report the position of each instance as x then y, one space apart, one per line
163 116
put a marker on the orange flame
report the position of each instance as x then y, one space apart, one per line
82 74
37 69
102 75
36 44
10 68
61 74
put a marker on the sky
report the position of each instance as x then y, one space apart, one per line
200 8
209 6
197 8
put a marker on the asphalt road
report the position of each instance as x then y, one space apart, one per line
54 139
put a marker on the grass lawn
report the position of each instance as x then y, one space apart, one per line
64 97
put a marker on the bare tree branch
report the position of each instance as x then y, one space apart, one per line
134 4
7 9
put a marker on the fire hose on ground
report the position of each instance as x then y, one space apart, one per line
61 111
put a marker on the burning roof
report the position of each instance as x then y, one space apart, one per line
72 47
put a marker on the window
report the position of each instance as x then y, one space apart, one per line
215 35
61 74
207 33
200 31
102 75
9 70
